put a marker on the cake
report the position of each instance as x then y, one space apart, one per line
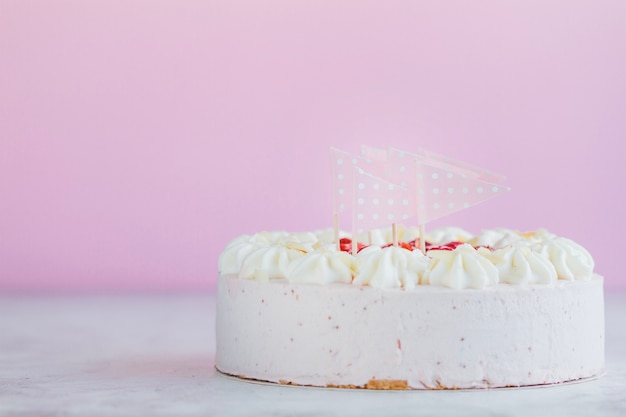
497 309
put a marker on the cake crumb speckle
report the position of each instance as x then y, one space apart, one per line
387 384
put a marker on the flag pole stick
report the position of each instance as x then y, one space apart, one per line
422 230
394 234
336 230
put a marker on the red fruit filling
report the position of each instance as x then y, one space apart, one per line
403 245
445 246
345 245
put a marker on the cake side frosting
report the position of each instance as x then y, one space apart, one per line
431 337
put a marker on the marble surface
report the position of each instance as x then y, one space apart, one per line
153 355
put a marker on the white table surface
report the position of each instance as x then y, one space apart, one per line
153 355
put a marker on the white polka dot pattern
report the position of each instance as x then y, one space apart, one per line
342 165
375 154
379 202
387 186
461 191
443 185
400 169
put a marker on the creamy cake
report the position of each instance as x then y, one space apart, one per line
500 309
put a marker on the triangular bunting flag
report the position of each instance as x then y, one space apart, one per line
378 202
400 170
375 154
441 192
342 164
471 170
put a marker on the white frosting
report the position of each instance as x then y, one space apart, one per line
496 238
327 236
389 267
519 258
519 264
231 260
268 238
539 236
447 234
460 268
268 262
323 266
570 260
302 237
429 338
232 257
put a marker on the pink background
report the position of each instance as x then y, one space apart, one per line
138 137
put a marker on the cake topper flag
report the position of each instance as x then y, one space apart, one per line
441 192
375 154
441 185
379 202
342 168
397 166
462 167
385 187
441 188
342 164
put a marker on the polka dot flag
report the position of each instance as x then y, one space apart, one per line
383 187
462 167
442 187
378 202
342 167
398 172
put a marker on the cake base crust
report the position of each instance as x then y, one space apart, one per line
391 385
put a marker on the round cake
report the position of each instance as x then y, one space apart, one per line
499 309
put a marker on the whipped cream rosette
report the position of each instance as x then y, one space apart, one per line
390 267
325 265
496 238
460 268
269 262
448 234
570 259
232 257
517 263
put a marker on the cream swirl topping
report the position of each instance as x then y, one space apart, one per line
311 257
519 264
389 267
570 259
268 238
327 236
461 268
232 257
496 238
268 262
323 266
448 234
